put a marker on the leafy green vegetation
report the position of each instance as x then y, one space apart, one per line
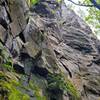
91 14
8 88
93 17
7 65
58 81
5 59
32 2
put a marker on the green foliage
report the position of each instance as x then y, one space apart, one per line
14 94
58 1
25 97
90 14
9 87
5 59
7 65
93 17
58 81
33 2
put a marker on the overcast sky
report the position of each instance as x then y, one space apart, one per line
77 8
81 11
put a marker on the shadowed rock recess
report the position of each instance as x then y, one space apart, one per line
47 52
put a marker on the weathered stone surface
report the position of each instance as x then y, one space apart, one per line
75 49
2 33
50 39
17 14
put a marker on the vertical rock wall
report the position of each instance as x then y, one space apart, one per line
54 53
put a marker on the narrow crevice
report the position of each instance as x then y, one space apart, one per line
69 72
40 71
3 23
90 90
18 68
22 37
96 60
35 69
55 94
62 57
56 52
8 15
2 42
6 37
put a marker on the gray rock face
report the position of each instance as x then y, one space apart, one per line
55 39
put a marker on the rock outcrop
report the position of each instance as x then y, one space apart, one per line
47 52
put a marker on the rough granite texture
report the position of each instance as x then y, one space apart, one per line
47 38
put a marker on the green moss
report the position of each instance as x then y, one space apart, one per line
7 65
26 97
5 59
37 91
58 81
13 93
71 89
8 88
58 1
33 2
17 95
2 76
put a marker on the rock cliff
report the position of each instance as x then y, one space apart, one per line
47 52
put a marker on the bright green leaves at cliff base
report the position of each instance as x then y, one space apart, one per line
5 59
32 2
8 87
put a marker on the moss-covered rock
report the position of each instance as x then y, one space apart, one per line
58 82
44 38
8 87
5 58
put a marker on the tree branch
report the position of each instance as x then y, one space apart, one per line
81 4
95 4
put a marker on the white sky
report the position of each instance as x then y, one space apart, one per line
77 9
81 11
